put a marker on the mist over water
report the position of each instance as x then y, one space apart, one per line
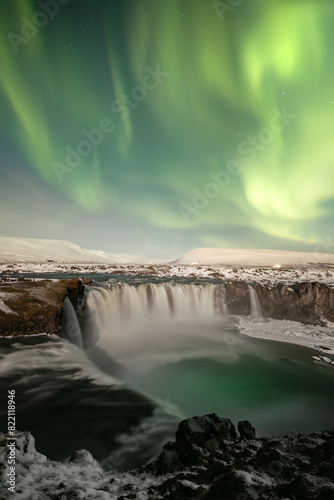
146 324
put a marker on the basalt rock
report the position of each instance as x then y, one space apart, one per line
227 467
246 430
209 461
31 307
306 302
195 437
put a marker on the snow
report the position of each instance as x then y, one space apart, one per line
189 484
255 478
38 477
24 255
290 332
253 257
15 250
322 359
3 307
249 274
32 250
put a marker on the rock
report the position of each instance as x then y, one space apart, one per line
168 460
202 431
83 457
228 487
246 430
306 302
181 486
326 493
227 467
195 439
207 451
198 436
32 307
25 443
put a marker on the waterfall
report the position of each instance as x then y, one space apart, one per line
122 302
70 324
256 313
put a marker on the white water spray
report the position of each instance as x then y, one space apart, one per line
157 300
256 313
148 323
70 325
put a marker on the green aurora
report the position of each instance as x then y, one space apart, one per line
152 127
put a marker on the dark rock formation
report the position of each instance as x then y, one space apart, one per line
30 307
307 302
208 461
194 437
246 430
218 465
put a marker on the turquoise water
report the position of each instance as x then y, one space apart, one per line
279 389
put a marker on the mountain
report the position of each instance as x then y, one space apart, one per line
20 250
253 257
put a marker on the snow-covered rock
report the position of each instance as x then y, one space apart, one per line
82 478
210 462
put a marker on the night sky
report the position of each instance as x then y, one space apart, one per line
157 126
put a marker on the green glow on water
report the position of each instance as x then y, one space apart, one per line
274 394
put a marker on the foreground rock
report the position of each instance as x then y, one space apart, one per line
207 461
32 307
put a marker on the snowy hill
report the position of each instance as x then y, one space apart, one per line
253 257
19 250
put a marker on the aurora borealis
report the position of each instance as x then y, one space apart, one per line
157 126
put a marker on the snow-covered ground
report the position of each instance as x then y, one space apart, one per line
15 250
316 337
37 251
251 274
254 257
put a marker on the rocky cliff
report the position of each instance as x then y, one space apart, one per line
306 302
30 307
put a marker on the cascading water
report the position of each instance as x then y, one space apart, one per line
160 300
141 324
70 324
256 313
